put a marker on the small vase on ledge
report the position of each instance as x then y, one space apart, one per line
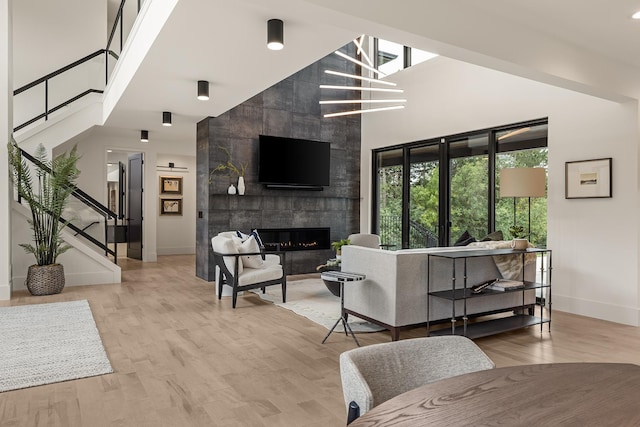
241 185
231 189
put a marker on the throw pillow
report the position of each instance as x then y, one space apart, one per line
228 246
255 234
496 235
241 235
465 239
250 246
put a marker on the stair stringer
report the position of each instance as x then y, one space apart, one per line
63 126
82 265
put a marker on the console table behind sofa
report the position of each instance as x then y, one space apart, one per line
394 293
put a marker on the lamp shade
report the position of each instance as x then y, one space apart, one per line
203 90
275 34
522 182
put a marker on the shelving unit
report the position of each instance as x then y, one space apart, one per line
492 326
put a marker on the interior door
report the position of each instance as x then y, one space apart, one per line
134 206
122 195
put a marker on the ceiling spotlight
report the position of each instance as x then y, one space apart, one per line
144 136
203 90
636 15
166 118
275 34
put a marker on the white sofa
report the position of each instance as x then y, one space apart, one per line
394 293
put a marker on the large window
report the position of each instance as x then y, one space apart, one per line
430 192
389 181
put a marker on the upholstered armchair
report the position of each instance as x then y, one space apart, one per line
243 265
366 240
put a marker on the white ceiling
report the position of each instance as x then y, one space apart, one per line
587 45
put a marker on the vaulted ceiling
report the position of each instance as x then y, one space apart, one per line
585 45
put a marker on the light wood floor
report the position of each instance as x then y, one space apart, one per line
183 358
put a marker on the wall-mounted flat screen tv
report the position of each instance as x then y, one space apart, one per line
294 163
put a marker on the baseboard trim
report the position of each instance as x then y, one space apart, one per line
176 251
604 311
5 292
79 279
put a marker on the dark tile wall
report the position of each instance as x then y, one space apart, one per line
290 109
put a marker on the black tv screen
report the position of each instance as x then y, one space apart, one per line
294 162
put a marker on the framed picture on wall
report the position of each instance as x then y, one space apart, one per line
171 185
170 206
585 179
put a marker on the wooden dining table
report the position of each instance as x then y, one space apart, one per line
562 394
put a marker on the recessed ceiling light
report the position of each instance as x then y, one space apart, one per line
109 151
636 15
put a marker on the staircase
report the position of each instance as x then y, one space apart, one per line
92 227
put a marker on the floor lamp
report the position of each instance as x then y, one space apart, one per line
522 182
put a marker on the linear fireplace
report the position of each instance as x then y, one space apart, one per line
295 239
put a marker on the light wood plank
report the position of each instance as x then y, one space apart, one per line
183 358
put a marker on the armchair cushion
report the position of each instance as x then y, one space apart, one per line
255 275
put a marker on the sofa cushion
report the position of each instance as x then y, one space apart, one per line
496 235
250 246
465 239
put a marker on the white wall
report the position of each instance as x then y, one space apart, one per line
594 241
176 234
6 112
93 166
48 35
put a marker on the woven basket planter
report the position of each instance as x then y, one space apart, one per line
45 279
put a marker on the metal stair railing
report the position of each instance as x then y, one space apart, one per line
419 235
82 212
107 51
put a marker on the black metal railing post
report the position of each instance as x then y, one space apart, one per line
46 100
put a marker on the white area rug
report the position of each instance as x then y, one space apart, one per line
311 298
48 343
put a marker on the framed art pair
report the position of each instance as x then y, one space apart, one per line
170 185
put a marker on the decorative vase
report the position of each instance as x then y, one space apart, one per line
231 189
241 185
45 279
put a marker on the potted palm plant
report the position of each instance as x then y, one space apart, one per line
47 196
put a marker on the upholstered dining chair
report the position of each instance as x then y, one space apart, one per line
376 373
366 240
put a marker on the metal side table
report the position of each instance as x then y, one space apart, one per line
341 277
